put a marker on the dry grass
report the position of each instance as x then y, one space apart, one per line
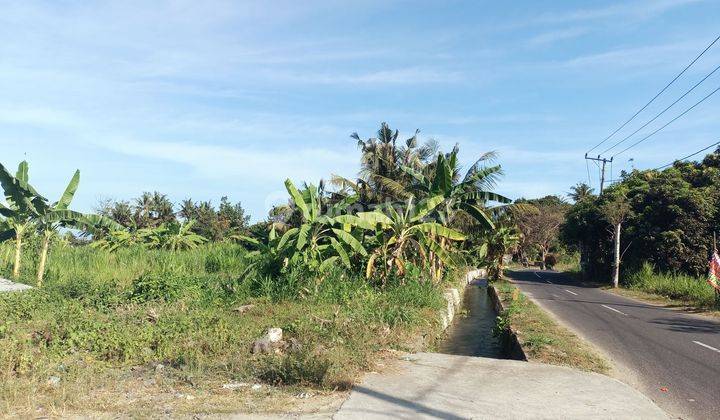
542 339
151 394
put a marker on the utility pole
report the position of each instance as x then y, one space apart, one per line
602 171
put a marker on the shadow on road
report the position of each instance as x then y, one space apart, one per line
556 277
688 325
417 408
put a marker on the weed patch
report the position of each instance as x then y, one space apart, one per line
690 290
103 321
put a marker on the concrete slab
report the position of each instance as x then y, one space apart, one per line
9 286
431 385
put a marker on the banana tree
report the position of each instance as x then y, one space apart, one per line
116 239
320 236
465 198
23 206
320 239
499 242
56 215
179 236
404 235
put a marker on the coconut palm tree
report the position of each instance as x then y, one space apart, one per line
380 164
580 191
468 194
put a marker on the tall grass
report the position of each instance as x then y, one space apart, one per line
682 287
109 311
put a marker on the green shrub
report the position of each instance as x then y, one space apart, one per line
302 367
150 287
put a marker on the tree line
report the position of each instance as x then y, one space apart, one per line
666 218
411 208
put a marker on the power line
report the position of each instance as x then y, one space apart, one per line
587 165
687 157
661 112
601 169
666 124
656 96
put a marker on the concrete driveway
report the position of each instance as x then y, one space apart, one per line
440 386
9 286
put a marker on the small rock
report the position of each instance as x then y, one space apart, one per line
256 387
159 367
190 397
235 385
304 395
54 381
272 343
243 308
275 335
152 316
294 345
261 346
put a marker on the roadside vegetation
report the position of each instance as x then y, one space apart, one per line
149 297
676 289
652 231
542 339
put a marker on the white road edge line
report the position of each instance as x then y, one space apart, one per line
614 310
572 293
548 282
706 346
538 275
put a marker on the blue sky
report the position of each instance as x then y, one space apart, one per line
204 99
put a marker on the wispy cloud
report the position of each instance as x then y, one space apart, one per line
253 164
403 76
39 117
636 10
645 56
553 37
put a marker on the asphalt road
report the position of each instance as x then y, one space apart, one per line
671 356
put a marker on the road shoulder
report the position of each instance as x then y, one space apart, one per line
543 337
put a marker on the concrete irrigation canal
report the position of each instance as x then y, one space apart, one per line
472 377
471 335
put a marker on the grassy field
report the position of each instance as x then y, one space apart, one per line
542 339
140 330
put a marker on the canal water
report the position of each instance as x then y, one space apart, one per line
471 332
